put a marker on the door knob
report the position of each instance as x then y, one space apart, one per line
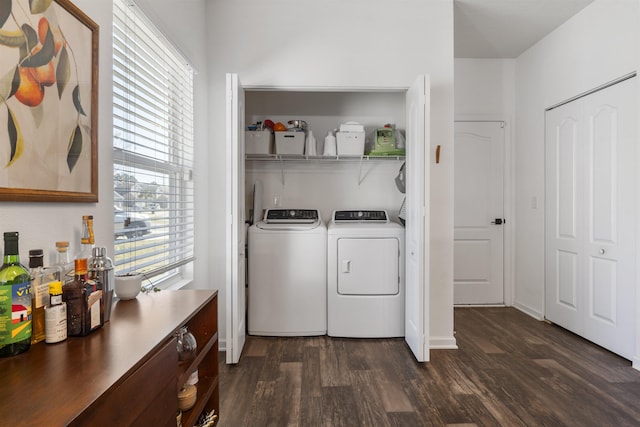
498 221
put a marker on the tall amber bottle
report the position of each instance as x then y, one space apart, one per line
15 300
73 295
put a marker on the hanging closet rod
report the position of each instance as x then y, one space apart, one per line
596 89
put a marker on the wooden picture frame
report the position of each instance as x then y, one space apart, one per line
48 102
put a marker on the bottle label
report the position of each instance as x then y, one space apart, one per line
41 297
55 323
15 313
93 304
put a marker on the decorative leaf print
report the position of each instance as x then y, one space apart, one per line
9 84
76 100
15 82
75 147
11 38
63 71
15 137
39 6
31 35
5 11
44 55
31 41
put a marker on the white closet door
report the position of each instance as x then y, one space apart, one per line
590 216
416 238
235 235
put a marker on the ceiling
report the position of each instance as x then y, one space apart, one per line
506 28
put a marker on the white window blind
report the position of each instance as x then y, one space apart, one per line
152 149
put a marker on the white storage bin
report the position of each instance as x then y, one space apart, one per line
258 142
290 142
350 143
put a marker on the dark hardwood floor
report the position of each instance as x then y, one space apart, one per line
510 370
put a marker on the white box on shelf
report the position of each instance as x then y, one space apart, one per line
258 142
290 142
350 143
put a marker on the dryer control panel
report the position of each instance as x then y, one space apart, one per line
360 216
291 216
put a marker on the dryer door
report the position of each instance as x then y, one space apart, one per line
368 266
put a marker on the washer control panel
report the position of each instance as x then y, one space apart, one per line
291 216
360 216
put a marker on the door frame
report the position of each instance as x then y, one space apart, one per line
422 336
508 199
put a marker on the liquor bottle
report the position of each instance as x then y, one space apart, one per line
85 302
93 303
101 270
40 278
15 300
73 296
64 264
87 240
55 315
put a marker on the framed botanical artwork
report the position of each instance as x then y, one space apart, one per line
48 102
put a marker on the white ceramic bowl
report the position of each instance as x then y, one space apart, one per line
128 287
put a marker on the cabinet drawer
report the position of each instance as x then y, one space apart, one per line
146 397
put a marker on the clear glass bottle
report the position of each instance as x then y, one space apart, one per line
15 300
87 240
186 345
55 315
64 264
40 278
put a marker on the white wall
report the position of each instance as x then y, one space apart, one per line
485 90
596 46
42 224
333 43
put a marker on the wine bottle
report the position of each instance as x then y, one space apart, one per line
15 300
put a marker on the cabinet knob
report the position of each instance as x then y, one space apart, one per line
602 251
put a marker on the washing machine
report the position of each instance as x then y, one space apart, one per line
365 279
287 277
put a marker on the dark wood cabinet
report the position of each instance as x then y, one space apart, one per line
126 373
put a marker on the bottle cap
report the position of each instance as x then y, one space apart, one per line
99 251
11 235
35 258
80 265
36 252
87 216
55 287
62 245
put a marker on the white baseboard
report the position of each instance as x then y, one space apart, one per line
635 363
443 343
528 310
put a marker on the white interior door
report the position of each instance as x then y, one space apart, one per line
590 217
478 213
416 231
235 235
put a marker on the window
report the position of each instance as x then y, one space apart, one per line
152 149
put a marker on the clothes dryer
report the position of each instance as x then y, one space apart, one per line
287 275
365 275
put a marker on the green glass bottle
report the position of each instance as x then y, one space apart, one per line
15 300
